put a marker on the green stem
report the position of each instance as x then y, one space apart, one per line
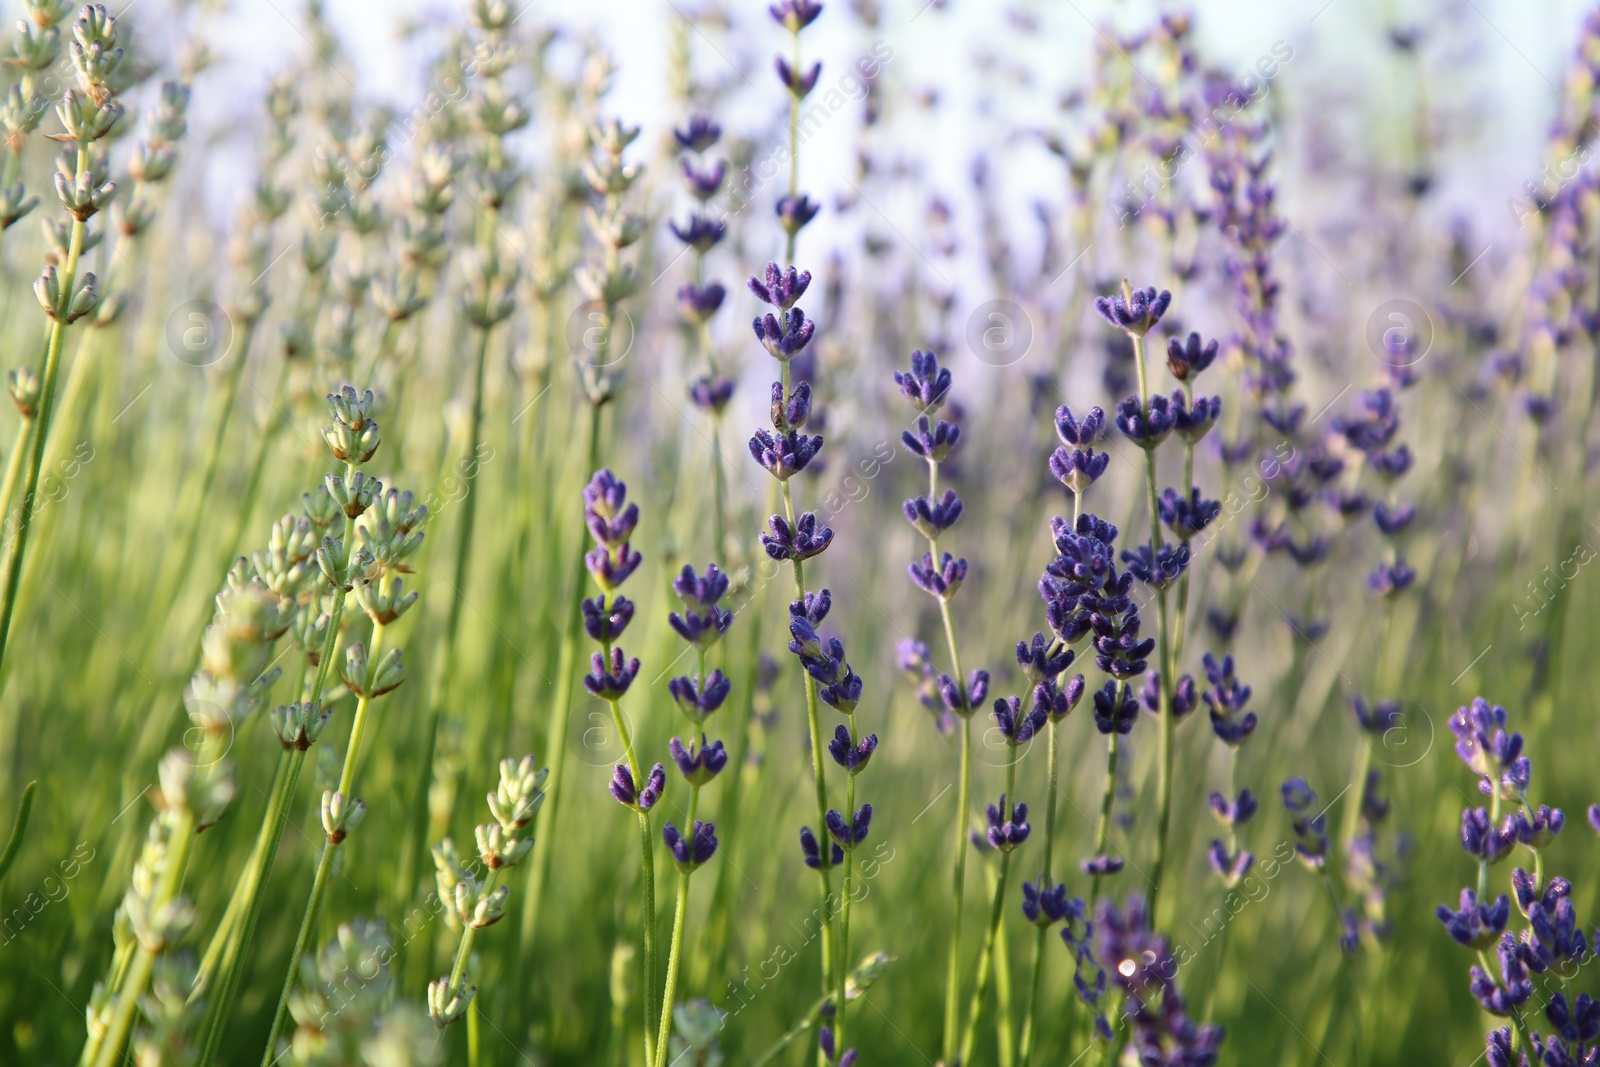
1031 1012
996 914
1102 830
52 368
680 914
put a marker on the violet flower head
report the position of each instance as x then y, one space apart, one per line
837 683
793 411
1236 812
852 757
1187 516
784 455
1189 357
812 854
1146 425
1160 568
848 835
786 338
933 443
693 851
698 763
931 520
926 385
1473 924
1115 709
1045 905
964 702
1482 741
1231 867
1039 662
1391 522
1387 579
1377 718
699 697
1102 865
942 580
1135 313
700 233
607 514
697 303
794 212
1005 833
1310 825
1078 469
1483 840
703 184
1514 987
610 567
813 607
711 394
1576 1020
798 80
829 1047
1080 433
795 15
702 623
698 134
610 677
1185 696
1553 937
1193 422
780 288
605 624
806 539
626 794
1017 727
1226 699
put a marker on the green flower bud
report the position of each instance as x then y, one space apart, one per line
157 926
36 47
445 1006
25 387
497 848
317 249
340 816
356 497
14 204
85 118
387 677
320 507
384 600
520 792
81 196
299 725
478 909
606 286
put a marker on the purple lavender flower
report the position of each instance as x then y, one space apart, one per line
795 15
1080 433
698 134
1310 830
699 697
848 836
812 607
1234 812
703 184
1485 841
698 763
1393 521
941 581
1575 1021
1146 425
926 385
933 519
609 680
837 684
1514 988
1078 469
826 1044
813 855
792 412
1378 718
1185 697
784 455
1553 937
1481 738
1189 357
1115 709
1186 517
1391 578
797 80
610 567
605 624
609 521
712 394
784 340
1476 925
1044 904
623 789
1136 313
1226 698
692 852
1015 726
1100 866
1230 867
1006 833
964 702
702 623
794 212
1540 829
852 757
781 288
806 539
1160 568
700 233
1039 662
932 443
697 303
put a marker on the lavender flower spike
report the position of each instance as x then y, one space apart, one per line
795 15
781 288
784 338
623 789
1005 833
926 385
1137 312
693 851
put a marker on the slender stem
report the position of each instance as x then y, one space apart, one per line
1163 640
680 914
996 915
647 906
794 156
8 489
792 1034
52 368
1044 883
1102 830
843 954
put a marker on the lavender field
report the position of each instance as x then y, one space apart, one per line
865 532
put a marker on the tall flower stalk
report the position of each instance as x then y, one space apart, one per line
702 625
610 520
87 115
795 209
388 536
